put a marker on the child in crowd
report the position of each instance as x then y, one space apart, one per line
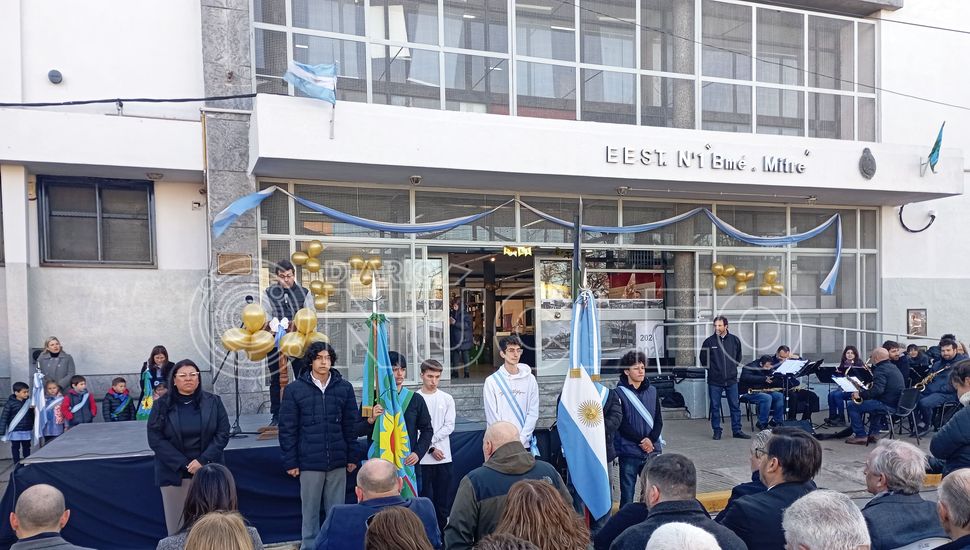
117 405
54 426
145 407
17 420
78 407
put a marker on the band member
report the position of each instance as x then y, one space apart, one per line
799 401
782 354
879 400
721 354
759 385
938 391
919 363
850 365
898 358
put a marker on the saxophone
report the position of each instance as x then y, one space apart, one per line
765 390
860 387
921 385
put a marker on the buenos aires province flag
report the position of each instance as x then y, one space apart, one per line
580 423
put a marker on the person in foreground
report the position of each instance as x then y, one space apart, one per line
824 520
670 483
481 495
627 516
681 536
38 518
535 512
954 509
880 399
219 530
758 444
897 515
395 528
503 541
951 444
791 460
378 488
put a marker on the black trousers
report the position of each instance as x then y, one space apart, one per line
436 485
16 447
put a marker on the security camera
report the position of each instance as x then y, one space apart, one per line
415 180
622 190
932 213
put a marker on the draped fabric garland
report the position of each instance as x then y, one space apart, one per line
240 206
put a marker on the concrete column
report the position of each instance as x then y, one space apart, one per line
683 307
488 331
13 186
683 62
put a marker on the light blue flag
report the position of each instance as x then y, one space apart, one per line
935 151
240 206
317 81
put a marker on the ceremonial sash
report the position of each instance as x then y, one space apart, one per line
50 406
79 406
17 418
641 410
124 404
604 395
516 409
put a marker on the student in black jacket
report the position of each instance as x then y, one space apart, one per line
417 418
792 458
117 405
18 434
952 443
880 399
187 429
638 438
721 354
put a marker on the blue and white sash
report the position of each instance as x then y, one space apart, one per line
641 410
604 394
516 409
79 406
16 419
55 403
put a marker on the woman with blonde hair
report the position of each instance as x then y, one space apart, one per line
396 528
219 531
55 363
534 511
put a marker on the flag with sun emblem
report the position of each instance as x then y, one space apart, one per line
390 433
580 414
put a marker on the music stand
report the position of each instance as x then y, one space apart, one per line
816 368
788 369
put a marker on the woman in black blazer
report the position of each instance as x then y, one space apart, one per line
187 429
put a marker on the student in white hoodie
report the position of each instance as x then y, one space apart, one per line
521 408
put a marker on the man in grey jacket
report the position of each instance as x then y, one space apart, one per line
38 518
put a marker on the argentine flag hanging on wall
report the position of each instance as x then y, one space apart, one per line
317 81
580 414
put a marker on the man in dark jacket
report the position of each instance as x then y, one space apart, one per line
792 458
954 509
417 418
952 444
938 391
317 418
758 445
639 433
721 354
461 332
934 351
481 495
671 492
880 399
758 376
378 487
919 364
897 515
38 518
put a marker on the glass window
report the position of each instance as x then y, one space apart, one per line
538 230
729 299
762 221
808 272
386 205
830 53
695 231
870 231
830 116
405 76
780 47
96 221
498 226
270 53
726 107
806 219
546 91
349 56
413 21
608 32
667 35
343 16
609 96
781 112
870 280
270 11
477 25
826 343
546 28
666 102
867 58
600 212
867 119
727 40
274 212
476 84
271 252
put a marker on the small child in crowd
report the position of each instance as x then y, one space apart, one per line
54 425
78 407
117 405
17 420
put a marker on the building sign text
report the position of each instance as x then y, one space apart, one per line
685 158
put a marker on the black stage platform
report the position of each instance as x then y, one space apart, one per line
107 476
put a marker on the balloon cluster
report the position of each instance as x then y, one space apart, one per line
366 268
309 259
770 284
294 344
722 272
251 338
321 294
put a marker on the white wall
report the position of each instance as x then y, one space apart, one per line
929 269
180 231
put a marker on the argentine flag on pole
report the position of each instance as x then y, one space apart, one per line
580 414
317 81
935 151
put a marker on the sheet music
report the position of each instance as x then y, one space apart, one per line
856 380
844 383
791 366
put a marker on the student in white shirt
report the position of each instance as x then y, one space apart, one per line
521 408
436 470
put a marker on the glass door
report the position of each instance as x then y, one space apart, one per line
553 282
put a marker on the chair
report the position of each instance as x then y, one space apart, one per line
743 399
939 421
905 409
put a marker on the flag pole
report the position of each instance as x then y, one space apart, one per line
333 112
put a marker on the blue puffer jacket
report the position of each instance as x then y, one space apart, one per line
633 428
952 443
316 430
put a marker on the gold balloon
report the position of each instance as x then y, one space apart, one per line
253 317
316 337
765 289
356 262
261 342
254 356
328 288
750 276
316 287
778 289
730 270
741 276
740 287
771 276
374 263
234 339
299 258
366 278
305 321
720 282
717 268
292 344
321 302
312 265
314 248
